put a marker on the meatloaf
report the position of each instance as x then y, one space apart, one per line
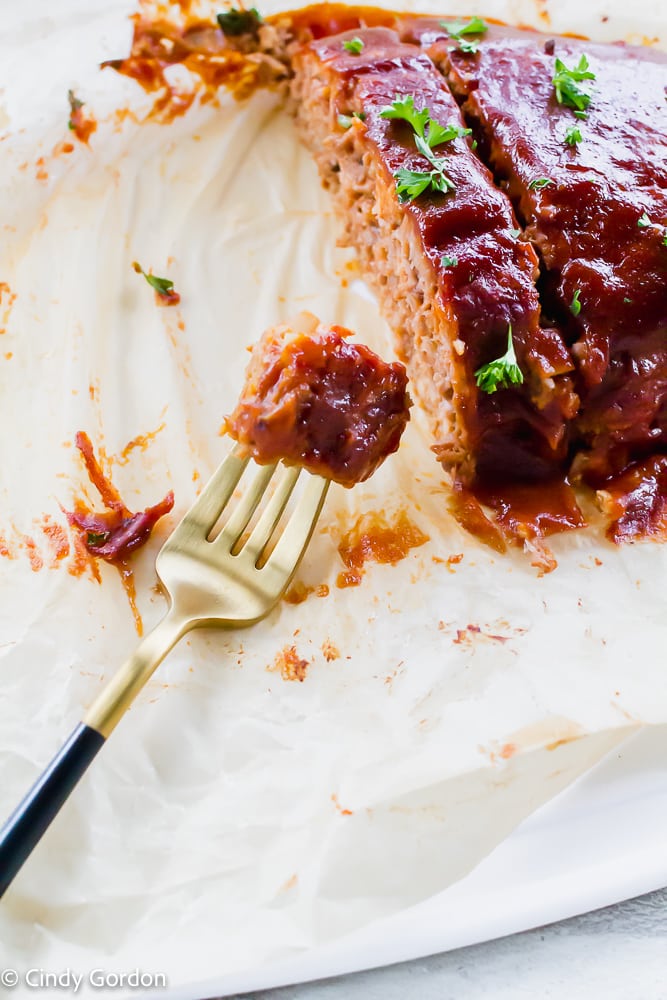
586 169
522 266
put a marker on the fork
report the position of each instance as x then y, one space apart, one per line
229 581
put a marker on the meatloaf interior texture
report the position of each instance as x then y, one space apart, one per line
312 398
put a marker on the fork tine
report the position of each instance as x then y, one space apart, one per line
293 541
247 505
271 515
213 499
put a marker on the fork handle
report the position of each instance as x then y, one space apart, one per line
34 815
30 820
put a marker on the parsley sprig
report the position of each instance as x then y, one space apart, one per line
573 135
163 286
354 46
458 29
347 121
238 21
96 539
575 304
539 182
502 372
566 84
427 134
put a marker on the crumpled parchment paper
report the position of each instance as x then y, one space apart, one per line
235 817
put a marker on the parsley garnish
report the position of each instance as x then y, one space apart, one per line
516 233
627 301
502 372
354 46
74 105
540 182
664 238
347 121
566 84
428 133
575 304
643 221
455 29
447 261
163 286
239 21
97 538
573 135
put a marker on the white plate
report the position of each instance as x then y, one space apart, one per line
597 843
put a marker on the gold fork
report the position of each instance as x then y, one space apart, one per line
229 580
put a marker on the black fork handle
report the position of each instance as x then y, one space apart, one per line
29 821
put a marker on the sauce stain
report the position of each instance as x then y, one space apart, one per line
373 538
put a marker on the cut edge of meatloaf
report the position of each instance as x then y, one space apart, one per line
387 243
441 346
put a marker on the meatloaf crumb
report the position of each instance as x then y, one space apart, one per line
314 399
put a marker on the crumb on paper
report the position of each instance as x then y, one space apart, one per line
300 592
290 665
330 651
339 808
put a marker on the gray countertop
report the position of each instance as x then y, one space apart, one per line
617 953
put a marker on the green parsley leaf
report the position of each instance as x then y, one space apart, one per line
573 135
354 46
347 121
540 182
427 134
469 47
502 372
475 26
437 134
516 233
575 304
163 286
643 221
411 183
447 261
566 84
96 539
74 105
403 108
580 114
627 301
664 238
238 21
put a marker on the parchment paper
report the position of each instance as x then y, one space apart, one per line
235 817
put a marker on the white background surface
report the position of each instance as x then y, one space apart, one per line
619 953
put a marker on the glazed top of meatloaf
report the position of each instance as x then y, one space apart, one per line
487 282
600 222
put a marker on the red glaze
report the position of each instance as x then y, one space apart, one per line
121 531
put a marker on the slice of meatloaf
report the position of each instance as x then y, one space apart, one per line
452 277
589 183
313 398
